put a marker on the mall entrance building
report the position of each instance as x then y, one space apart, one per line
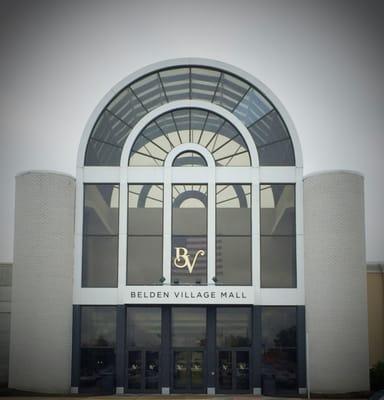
188 277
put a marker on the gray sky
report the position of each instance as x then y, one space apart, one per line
322 59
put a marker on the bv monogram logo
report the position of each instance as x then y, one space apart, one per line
183 260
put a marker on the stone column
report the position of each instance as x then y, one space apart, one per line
41 314
335 282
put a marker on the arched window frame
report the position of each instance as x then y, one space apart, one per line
254 175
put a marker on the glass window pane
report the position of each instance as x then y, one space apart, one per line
176 83
143 327
97 371
233 260
233 326
189 213
189 159
98 326
277 154
102 153
279 371
204 83
278 261
127 107
277 209
101 209
145 209
278 327
134 369
188 326
100 261
233 212
268 129
252 107
145 260
152 363
189 260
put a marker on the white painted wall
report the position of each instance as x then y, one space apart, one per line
335 280
41 313
322 59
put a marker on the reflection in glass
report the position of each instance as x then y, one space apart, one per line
180 373
100 235
279 338
197 362
151 370
97 352
233 326
189 159
189 82
98 326
205 128
225 370
278 240
143 327
145 234
278 261
233 234
277 209
242 370
134 370
188 326
189 234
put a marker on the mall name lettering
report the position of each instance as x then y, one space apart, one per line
206 294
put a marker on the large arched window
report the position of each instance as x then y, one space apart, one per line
188 176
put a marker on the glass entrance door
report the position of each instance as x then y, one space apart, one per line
188 371
143 371
233 370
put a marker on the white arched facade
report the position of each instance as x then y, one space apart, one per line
211 175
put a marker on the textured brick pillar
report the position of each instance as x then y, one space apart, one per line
335 282
41 316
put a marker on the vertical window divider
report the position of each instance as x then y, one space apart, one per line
123 223
255 231
211 231
167 225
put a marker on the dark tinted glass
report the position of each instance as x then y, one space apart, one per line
189 159
143 327
169 130
101 209
152 363
277 209
233 234
134 369
178 83
100 261
233 210
278 261
189 234
233 260
233 326
279 371
278 327
144 259
188 326
279 363
145 234
97 371
98 326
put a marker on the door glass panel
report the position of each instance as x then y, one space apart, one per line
225 370
180 373
197 370
134 370
242 370
151 369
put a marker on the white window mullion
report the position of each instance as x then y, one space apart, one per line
211 231
123 219
167 225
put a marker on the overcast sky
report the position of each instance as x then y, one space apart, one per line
323 59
